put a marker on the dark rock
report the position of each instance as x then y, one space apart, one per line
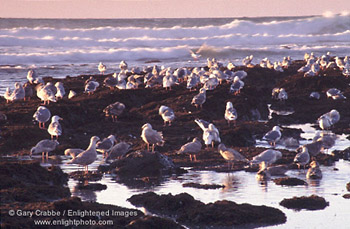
203 186
82 176
310 203
153 222
143 164
289 181
348 186
27 181
192 212
93 187
346 196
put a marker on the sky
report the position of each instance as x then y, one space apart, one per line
167 8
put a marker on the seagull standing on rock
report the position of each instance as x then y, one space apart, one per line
302 158
114 110
273 135
192 148
45 94
60 90
91 86
200 98
106 145
151 136
230 155
18 93
118 151
55 128
270 156
88 156
42 115
102 68
230 113
167 114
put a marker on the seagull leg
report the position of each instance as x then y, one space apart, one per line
152 147
212 144
47 155
190 157
195 157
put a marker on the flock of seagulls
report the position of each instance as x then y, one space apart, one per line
166 78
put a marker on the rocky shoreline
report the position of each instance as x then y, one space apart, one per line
26 185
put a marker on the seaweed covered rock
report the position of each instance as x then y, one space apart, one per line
312 202
27 181
194 213
289 181
202 186
143 164
348 186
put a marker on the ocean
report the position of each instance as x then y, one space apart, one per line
61 47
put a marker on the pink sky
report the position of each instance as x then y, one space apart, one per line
167 8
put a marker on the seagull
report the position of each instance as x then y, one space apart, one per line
102 68
88 156
192 148
230 113
55 128
335 94
73 152
118 151
28 91
192 81
44 146
106 145
71 94
302 158
236 86
263 173
282 95
33 77
42 115
275 92
51 87
314 95
314 171
230 155
313 148
7 95
270 156
211 135
324 122
151 136
91 85
111 82
231 66
200 98
167 114
45 94
18 93
247 60
60 90
241 74
123 65
169 80
211 83
273 135
114 110
195 55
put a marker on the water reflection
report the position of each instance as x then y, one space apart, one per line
84 194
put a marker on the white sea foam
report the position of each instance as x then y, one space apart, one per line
55 42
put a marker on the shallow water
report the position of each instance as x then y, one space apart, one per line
242 187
